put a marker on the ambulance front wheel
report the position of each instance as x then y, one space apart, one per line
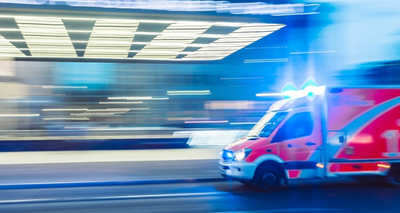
268 178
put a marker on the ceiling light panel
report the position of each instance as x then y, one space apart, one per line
191 32
9 50
113 38
111 31
240 38
54 30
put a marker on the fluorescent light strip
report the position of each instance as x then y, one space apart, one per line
102 30
208 51
115 33
118 42
203 58
172 29
231 37
10 49
227 24
120 39
56 24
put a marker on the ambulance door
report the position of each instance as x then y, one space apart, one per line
336 140
299 141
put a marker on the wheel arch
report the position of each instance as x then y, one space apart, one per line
275 164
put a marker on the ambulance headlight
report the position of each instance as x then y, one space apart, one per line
242 154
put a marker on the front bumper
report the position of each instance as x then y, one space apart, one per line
240 170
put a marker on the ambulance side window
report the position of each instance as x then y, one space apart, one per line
272 124
299 125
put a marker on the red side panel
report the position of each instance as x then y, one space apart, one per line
370 121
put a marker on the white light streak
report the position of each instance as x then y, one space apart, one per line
55 119
268 94
132 98
188 92
87 114
273 60
243 123
60 110
64 87
19 115
198 122
137 98
108 110
131 102
244 78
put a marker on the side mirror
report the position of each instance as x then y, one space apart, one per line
341 139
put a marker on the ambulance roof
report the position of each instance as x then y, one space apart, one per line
288 104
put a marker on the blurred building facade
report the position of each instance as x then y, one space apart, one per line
52 93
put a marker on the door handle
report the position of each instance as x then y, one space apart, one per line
310 144
269 150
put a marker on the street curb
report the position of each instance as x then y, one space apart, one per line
104 183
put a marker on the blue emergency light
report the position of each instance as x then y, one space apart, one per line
309 88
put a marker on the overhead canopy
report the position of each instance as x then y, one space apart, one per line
43 36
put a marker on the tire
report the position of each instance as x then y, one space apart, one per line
268 178
393 178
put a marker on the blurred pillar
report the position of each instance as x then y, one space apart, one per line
11 91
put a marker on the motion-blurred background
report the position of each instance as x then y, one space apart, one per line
110 68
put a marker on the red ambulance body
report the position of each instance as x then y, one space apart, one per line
341 132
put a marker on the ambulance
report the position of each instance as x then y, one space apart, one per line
321 133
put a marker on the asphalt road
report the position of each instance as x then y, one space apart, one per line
315 196
205 197
108 171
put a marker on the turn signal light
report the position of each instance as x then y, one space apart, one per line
381 165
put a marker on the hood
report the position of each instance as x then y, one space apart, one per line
244 143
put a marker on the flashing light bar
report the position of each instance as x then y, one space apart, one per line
308 91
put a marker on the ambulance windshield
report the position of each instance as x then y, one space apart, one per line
267 124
